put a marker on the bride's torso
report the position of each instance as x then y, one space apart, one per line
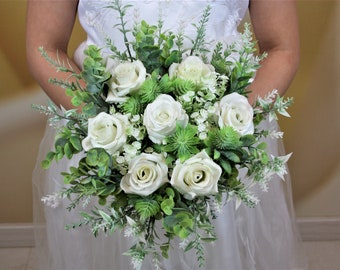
100 22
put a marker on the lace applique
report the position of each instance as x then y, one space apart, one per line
233 21
91 17
93 12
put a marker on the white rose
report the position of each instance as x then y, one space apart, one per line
193 69
197 176
106 131
234 110
147 172
127 77
161 116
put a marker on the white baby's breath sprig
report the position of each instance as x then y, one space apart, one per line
52 200
274 134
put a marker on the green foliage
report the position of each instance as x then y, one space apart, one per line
183 143
168 203
166 84
121 9
219 59
67 143
146 207
182 87
199 43
93 70
226 138
146 47
133 105
149 90
179 224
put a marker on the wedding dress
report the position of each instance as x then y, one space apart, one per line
263 238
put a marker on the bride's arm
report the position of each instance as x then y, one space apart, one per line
276 29
49 24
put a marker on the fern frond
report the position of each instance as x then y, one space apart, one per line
184 142
149 90
182 87
166 84
147 207
133 105
226 138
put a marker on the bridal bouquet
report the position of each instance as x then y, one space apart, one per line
163 132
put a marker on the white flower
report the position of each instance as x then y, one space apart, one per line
127 77
52 200
193 69
234 110
202 135
161 117
197 176
147 172
130 150
106 131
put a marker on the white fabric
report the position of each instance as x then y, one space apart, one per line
264 238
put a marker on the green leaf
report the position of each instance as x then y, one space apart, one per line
170 192
103 159
181 232
102 170
231 156
76 143
262 146
248 140
92 157
226 166
147 208
208 239
181 224
190 246
217 154
45 164
89 109
167 205
105 216
76 101
69 92
165 249
174 57
264 158
102 201
68 151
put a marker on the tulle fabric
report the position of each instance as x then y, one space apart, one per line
263 238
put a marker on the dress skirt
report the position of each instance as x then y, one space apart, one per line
262 238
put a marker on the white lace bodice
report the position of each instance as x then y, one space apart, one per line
178 15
